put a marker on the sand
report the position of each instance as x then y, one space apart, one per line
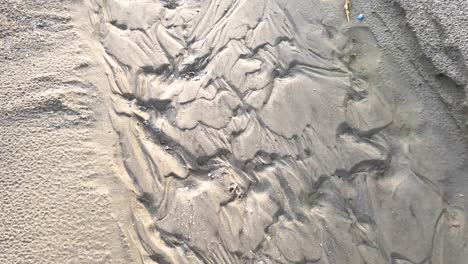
233 131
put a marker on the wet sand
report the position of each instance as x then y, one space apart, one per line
233 132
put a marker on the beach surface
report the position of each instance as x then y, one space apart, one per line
234 131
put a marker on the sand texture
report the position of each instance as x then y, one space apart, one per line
234 131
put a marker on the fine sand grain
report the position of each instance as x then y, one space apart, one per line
233 131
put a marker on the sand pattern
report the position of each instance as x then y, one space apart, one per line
251 132
234 131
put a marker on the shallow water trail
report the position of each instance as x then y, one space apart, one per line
262 134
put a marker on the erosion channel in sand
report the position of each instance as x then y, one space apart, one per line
276 131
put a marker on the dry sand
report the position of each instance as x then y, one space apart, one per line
233 131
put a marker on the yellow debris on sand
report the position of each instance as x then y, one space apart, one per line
347 7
